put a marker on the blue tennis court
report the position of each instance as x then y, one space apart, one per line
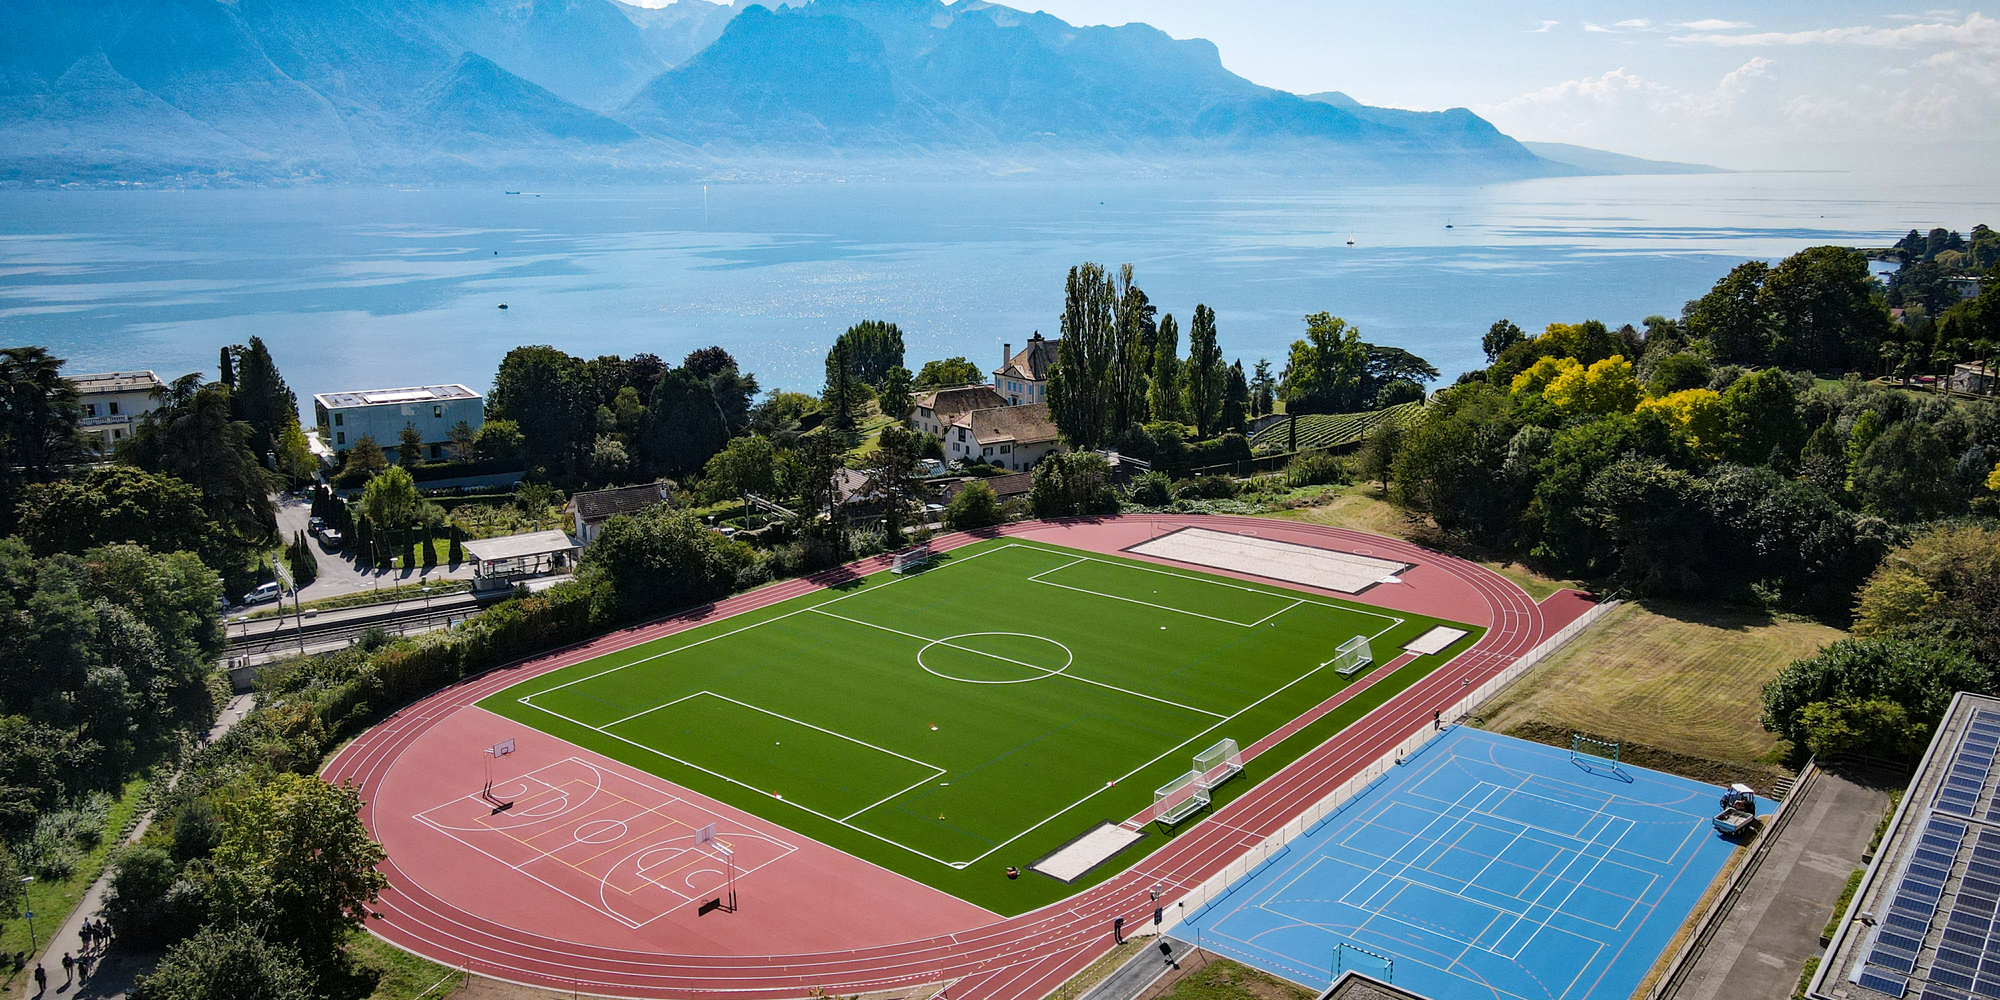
1485 866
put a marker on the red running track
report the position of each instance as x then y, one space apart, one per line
983 957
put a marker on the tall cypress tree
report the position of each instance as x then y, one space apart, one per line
1079 383
1235 399
1163 397
227 366
1205 381
1132 355
842 394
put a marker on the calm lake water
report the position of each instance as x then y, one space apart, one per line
377 287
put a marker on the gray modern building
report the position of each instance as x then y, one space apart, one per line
346 417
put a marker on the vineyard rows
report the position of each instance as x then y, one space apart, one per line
1330 430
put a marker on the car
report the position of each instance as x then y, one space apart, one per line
330 538
316 525
266 592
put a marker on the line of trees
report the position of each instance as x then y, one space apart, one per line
1118 369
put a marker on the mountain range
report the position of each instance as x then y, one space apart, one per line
275 91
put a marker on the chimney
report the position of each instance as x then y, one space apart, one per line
1006 355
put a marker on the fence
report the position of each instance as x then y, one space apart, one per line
1277 843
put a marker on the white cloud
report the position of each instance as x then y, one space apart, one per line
1546 26
1621 108
1587 26
1636 24
1713 24
1975 31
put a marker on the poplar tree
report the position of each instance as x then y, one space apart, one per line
1235 399
1081 378
1205 381
1164 395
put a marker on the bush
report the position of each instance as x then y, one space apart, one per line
150 903
1205 488
231 963
975 506
1918 670
1153 489
1874 727
1316 468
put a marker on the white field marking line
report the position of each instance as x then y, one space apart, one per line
1038 824
1217 582
723 635
1030 666
1037 578
787 718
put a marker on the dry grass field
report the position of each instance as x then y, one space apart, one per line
1680 684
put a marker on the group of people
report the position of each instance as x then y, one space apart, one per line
96 936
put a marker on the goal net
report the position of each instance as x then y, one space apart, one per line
910 559
1217 763
1180 798
1353 656
1585 749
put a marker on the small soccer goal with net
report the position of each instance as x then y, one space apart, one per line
1180 798
911 559
1588 750
1218 763
1353 656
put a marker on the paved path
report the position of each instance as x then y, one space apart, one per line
339 575
112 977
1764 942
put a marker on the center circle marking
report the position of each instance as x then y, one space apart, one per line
1046 673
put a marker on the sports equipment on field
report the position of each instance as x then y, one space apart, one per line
1180 798
1217 763
1353 656
913 558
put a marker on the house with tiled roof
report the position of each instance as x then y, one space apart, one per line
931 412
1024 378
587 512
1010 437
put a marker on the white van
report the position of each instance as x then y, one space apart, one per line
267 592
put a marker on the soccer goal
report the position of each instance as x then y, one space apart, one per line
1587 750
911 559
1217 763
1180 798
1353 656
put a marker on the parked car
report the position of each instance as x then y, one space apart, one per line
266 592
316 525
330 538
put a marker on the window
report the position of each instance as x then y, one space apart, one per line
437 412
340 420
339 437
437 452
117 435
1005 448
986 453
961 433
90 409
114 407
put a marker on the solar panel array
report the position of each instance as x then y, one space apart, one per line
1968 959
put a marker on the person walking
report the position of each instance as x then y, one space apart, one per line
69 970
41 980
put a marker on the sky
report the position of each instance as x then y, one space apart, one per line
1782 84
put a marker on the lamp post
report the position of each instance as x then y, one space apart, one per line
34 943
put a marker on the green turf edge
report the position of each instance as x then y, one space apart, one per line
984 883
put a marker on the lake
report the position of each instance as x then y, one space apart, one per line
382 287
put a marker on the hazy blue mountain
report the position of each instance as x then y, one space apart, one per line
1597 161
677 31
269 90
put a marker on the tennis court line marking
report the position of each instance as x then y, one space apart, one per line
1221 719
1018 663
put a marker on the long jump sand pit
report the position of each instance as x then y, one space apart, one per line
1327 569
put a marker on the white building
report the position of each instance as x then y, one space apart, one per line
1010 437
588 511
113 402
932 412
346 417
1024 378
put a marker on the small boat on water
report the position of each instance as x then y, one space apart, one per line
1350 239
510 192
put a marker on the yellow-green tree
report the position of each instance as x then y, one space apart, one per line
1607 386
1545 370
1700 415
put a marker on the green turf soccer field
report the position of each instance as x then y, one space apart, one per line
1049 674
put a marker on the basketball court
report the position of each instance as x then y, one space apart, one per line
1484 867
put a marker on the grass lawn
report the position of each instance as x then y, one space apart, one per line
1362 508
978 715
404 976
1222 979
52 902
1682 679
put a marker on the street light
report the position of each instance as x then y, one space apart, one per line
34 944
